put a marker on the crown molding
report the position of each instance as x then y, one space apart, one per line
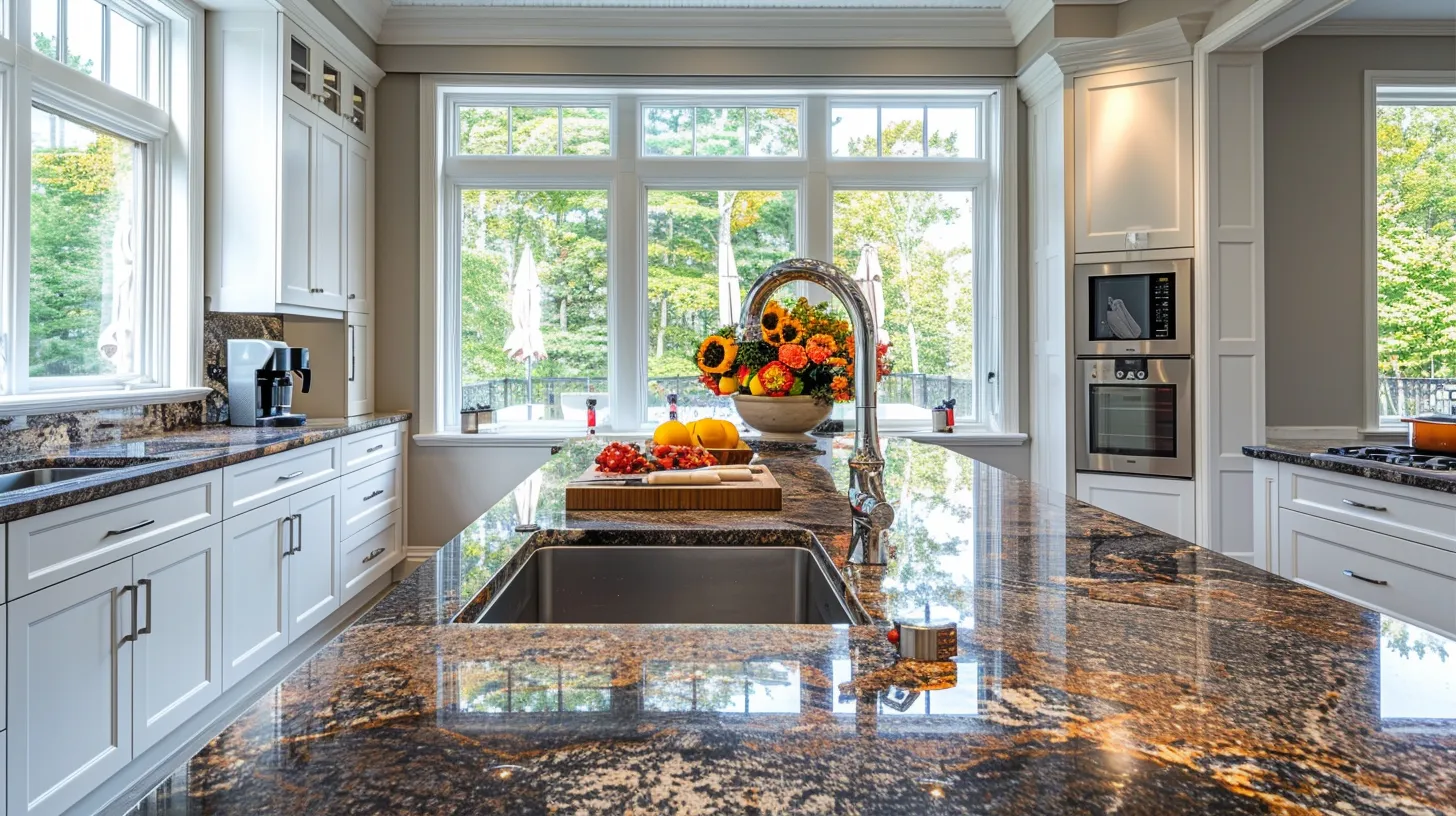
316 25
1162 42
1382 28
1040 80
369 14
696 27
1023 15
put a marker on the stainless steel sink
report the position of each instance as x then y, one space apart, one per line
34 477
686 584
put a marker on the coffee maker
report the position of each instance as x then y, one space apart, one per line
260 382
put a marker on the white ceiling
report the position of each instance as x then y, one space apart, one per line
1397 10
718 4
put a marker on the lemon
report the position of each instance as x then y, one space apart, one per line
755 386
727 386
730 434
672 432
709 433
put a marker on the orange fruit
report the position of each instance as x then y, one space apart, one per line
709 433
730 434
672 432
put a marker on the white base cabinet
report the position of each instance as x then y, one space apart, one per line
1162 504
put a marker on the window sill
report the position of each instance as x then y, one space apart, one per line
51 403
962 439
528 437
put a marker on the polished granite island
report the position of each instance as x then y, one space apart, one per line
1104 667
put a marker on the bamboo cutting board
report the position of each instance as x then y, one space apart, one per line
763 493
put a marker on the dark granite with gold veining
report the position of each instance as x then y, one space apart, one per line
156 459
1103 668
1301 452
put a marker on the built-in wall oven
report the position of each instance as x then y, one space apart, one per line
1134 344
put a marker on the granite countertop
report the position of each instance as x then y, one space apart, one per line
162 458
1301 452
1104 667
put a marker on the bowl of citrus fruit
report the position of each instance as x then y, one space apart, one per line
718 436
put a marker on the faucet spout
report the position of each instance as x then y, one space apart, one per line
871 510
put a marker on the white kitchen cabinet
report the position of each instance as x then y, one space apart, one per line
369 555
70 688
177 657
359 250
313 574
361 365
1133 159
1163 504
277 169
254 589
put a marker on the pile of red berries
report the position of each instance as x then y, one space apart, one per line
620 457
683 457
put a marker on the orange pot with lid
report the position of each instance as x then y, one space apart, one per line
1433 433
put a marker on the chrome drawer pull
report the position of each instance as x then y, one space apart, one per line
294 475
373 555
131 529
1364 506
374 495
375 449
1358 577
131 638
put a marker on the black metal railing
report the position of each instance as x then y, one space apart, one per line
1408 396
920 390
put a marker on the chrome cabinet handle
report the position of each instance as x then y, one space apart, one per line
1363 505
131 638
373 555
353 365
1359 577
132 528
294 475
375 494
295 520
289 521
146 582
375 449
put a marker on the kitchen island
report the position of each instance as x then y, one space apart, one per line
1103 667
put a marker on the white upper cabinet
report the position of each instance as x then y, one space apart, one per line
279 193
1133 158
359 255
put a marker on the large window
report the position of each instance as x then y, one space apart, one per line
1414 208
588 242
100 273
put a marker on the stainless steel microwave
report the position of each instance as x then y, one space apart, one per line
1135 415
1135 308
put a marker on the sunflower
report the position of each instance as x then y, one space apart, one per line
716 355
792 331
773 337
772 318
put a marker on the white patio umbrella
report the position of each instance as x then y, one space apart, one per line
871 282
525 342
116 340
729 296
527 495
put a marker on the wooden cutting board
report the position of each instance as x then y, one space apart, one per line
763 493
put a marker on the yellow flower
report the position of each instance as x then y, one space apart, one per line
792 331
772 319
717 354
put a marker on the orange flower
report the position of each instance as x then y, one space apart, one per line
793 356
839 384
776 379
836 361
820 347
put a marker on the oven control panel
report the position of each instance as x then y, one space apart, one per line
1130 368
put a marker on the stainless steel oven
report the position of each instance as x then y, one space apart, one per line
1136 308
1135 415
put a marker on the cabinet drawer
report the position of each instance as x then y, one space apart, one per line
1404 579
366 448
1410 513
371 553
256 483
62 544
370 494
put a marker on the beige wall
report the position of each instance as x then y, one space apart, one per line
1314 218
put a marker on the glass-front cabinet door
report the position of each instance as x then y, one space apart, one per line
333 87
302 64
359 102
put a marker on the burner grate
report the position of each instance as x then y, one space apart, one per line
1398 455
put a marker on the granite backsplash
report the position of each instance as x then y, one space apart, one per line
27 435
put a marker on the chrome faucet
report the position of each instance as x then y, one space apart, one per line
870 509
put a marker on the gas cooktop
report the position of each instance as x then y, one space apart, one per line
1402 456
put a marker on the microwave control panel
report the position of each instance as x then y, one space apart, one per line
1161 294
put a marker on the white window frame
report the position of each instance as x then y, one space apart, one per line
628 176
1412 81
169 129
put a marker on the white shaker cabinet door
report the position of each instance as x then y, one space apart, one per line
330 202
178 653
254 589
70 688
356 181
295 207
360 376
313 573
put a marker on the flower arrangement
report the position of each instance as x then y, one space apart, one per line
802 350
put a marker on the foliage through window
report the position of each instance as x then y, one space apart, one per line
95 38
696 216
1415 208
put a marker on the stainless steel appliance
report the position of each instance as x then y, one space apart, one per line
1135 415
260 382
1392 457
1137 308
